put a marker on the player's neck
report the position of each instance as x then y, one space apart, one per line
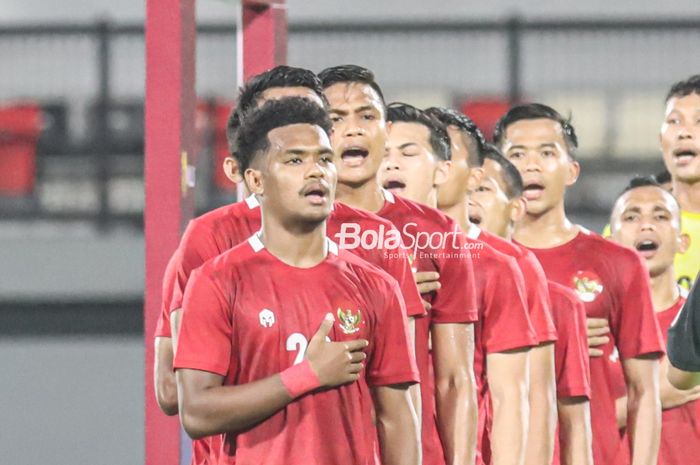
367 196
688 195
664 290
460 213
296 245
546 230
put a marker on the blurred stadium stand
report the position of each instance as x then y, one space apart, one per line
88 82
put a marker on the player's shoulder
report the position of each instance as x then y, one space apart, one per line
238 256
500 244
234 212
605 247
430 217
560 293
344 213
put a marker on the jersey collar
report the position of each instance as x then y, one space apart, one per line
257 245
252 201
474 231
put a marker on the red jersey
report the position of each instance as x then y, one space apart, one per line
223 228
247 316
535 281
219 230
504 324
571 361
680 426
435 243
612 282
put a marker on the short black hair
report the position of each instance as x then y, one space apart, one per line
511 175
251 137
439 139
450 117
641 181
685 87
536 111
349 74
663 177
251 92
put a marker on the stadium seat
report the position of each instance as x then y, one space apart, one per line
485 112
638 122
589 115
20 125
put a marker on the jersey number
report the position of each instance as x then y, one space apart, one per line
297 342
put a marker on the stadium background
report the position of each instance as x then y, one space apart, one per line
71 160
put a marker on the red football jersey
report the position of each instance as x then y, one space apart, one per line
535 281
223 228
435 243
680 428
504 324
613 283
571 359
248 315
169 280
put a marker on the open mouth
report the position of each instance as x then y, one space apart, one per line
684 156
647 247
533 191
475 219
394 185
316 193
354 156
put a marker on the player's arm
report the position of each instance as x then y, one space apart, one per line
508 383
543 398
455 390
397 425
575 435
164 382
683 379
643 408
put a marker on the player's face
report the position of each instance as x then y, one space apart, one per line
538 149
456 186
680 138
278 93
409 167
648 219
359 131
298 177
489 205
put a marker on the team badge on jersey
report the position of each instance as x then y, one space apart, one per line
587 285
349 323
267 318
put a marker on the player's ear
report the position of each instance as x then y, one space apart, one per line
518 209
233 173
476 175
574 171
683 243
442 172
254 181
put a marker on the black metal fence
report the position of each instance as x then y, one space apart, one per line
89 79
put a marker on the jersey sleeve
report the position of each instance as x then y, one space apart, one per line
506 324
396 263
206 327
684 333
571 358
392 360
456 300
198 245
634 324
169 279
538 298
